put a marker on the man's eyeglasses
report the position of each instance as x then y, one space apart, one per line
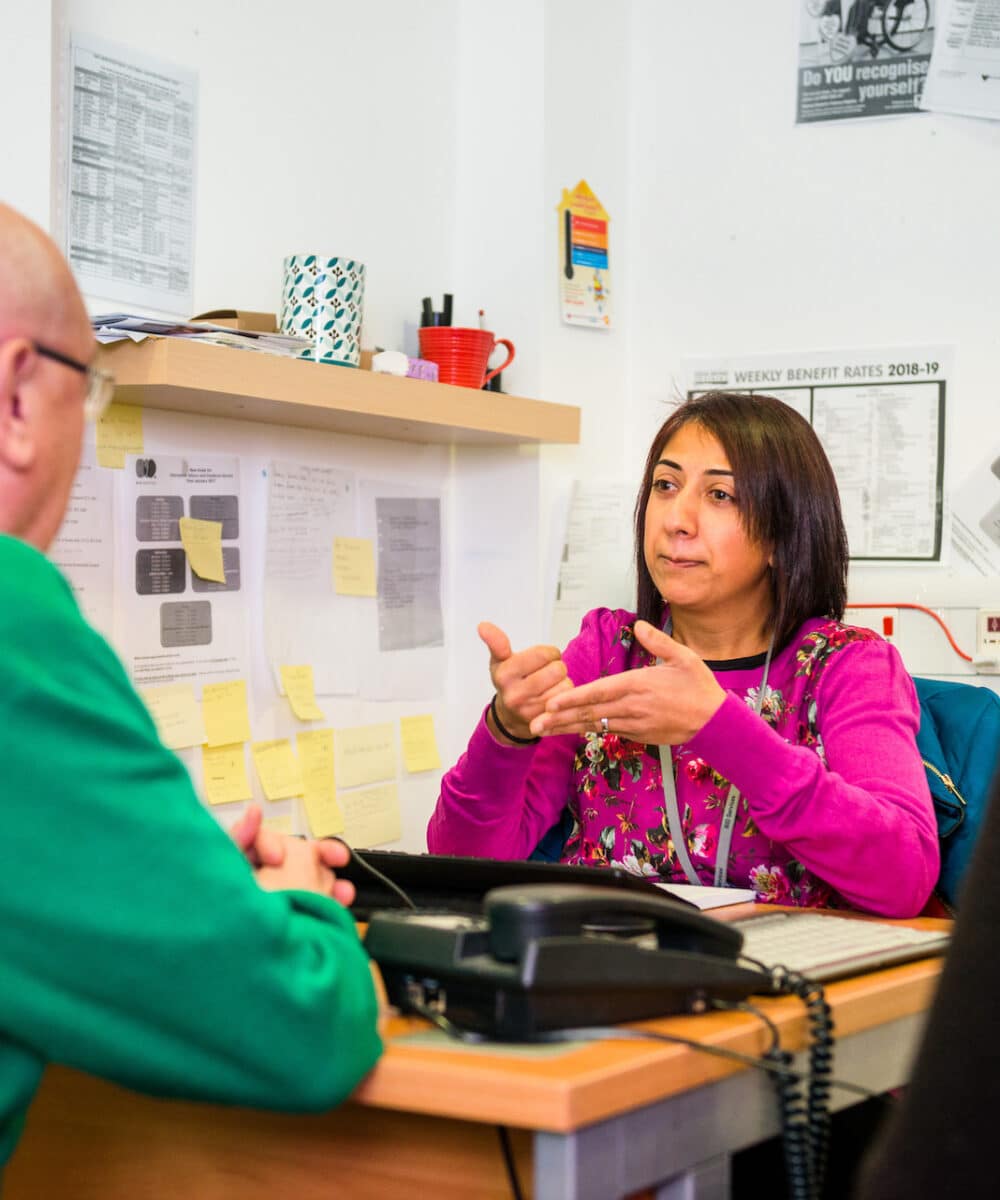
100 384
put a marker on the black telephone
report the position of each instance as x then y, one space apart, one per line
550 956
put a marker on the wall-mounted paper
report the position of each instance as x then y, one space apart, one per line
202 542
409 572
319 794
353 567
304 620
371 815
224 707
420 751
301 692
366 754
277 768
282 824
84 547
119 432
177 714
225 774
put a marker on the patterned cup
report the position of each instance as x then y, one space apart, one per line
322 298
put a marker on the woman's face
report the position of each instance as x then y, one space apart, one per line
696 548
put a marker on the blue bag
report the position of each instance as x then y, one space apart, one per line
959 741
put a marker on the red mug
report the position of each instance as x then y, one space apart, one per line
462 355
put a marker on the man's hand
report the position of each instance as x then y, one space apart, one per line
290 862
307 867
262 847
663 705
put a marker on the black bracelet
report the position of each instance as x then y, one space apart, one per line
509 736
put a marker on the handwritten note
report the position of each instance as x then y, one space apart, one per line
319 795
371 815
175 711
277 769
202 541
119 432
301 693
353 566
366 754
225 774
224 708
282 824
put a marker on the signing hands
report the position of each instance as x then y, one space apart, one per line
523 681
662 705
282 862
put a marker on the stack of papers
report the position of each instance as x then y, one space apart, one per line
116 327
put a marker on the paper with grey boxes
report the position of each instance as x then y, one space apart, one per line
176 627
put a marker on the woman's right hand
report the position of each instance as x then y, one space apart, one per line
522 681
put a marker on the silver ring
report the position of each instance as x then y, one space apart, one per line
604 724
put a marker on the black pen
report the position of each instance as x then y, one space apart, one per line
446 315
427 316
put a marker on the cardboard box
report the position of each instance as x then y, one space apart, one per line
238 318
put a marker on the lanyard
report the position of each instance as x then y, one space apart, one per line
729 810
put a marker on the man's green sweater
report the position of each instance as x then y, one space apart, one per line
135 943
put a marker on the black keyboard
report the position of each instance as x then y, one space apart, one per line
457 884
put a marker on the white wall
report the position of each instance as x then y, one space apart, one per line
25 89
758 235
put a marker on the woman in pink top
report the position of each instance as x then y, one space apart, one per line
790 737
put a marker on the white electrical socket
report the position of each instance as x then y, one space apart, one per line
988 641
885 621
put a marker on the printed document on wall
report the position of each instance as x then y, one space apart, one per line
595 566
129 187
880 415
975 516
964 75
309 508
174 626
84 547
404 627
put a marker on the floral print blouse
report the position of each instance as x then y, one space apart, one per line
834 806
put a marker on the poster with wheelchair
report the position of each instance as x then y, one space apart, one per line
862 58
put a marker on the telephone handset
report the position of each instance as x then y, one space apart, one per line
550 956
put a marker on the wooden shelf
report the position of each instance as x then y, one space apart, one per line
185 376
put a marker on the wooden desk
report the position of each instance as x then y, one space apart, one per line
595 1121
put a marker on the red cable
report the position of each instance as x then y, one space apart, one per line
931 613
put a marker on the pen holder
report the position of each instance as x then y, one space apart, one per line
322 298
462 355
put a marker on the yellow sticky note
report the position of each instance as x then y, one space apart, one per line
319 795
176 713
119 432
278 824
301 692
371 815
225 772
277 768
224 708
353 566
366 754
420 752
203 545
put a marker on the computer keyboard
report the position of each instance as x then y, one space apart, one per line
822 946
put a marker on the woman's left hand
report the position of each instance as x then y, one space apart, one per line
662 705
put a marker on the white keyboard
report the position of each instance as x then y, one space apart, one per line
822 947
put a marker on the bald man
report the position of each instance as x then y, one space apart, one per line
137 942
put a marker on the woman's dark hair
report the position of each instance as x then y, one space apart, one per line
787 497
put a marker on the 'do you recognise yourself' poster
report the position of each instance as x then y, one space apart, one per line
584 278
